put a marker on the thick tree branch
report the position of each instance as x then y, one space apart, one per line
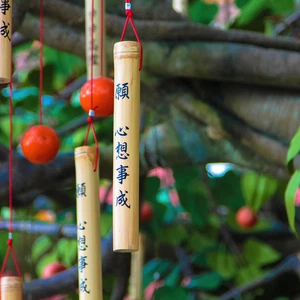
163 30
215 61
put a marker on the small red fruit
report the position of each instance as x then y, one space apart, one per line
103 96
40 144
52 269
146 212
245 217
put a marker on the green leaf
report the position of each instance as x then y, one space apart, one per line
40 246
173 277
45 260
151 188
293 151
289 197
246 274
169 293
106 224
155 269
186 176
258 253
281 6
201 12
251 11
227 190
66 257
198 241
193 199
173 235
222 262
208 281
257 189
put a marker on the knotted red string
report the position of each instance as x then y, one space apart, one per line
129 15
92 110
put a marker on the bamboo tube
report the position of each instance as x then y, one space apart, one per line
5 40
97 42
126 146
88 224
136 274
11 288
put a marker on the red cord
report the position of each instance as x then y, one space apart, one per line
10 187
91 113
129 15
101 37
41 58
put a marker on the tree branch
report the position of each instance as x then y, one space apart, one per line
289 264
215 61
163 30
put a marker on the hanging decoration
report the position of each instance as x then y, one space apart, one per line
96 98
136 272
5 41
127 64
98 87
11 287
40 144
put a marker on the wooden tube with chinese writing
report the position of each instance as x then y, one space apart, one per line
5 41
95 36
11 288
88 224
126 147
136 274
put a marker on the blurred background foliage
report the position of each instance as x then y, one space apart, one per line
194 208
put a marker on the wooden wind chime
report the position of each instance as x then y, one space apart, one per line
11 287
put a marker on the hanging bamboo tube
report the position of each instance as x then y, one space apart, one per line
136 274
88 224
95 38
11 288
5 40
126 146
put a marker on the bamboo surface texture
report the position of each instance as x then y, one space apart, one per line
5 40
126 147
88 224
95 37
11 288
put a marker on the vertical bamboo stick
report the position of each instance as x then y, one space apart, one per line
88 224
11 288
126 146
98 29
5 40
136 274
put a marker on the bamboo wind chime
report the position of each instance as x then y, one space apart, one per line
127 64
11 288
87 168
5 41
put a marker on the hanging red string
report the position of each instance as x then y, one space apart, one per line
10 248
129 15
92 108
102 37
41 57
